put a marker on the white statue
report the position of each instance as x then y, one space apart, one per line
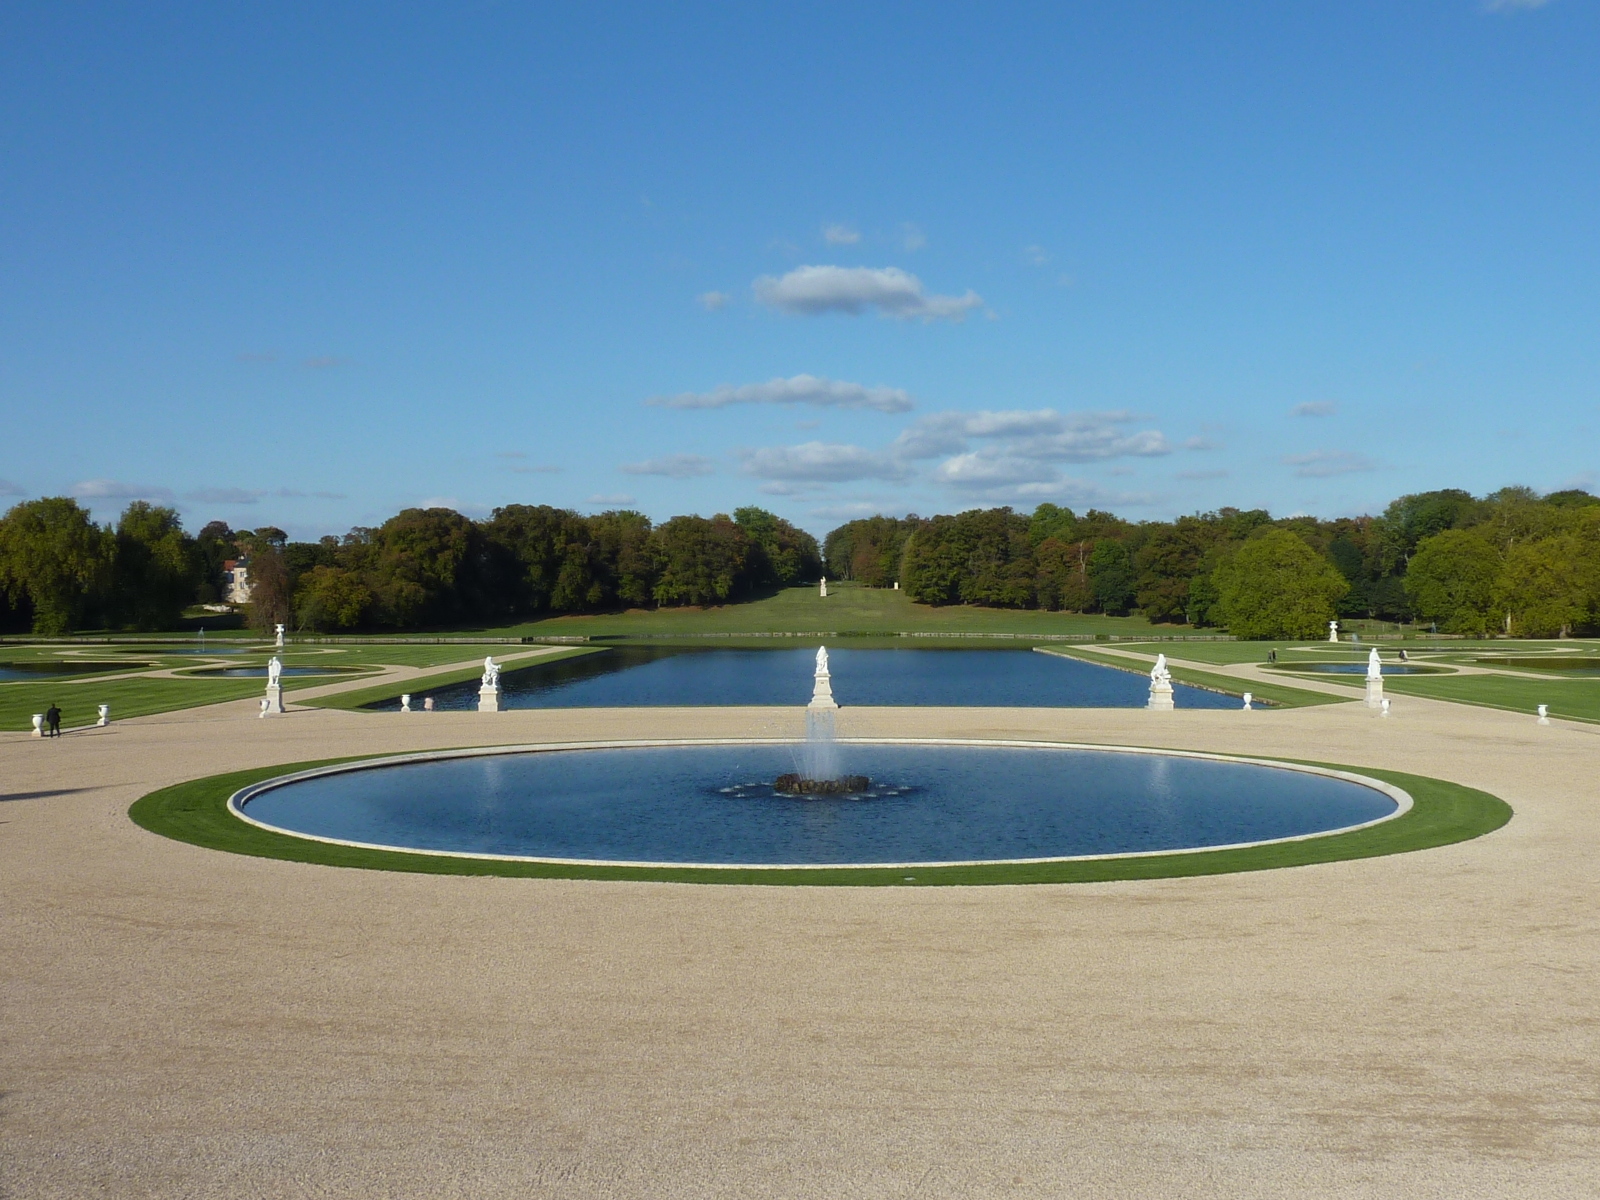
104 711
1160 686
1375 681
489 692
274 698
824 587
1544 714
405 701
1333 631
1247 698
822 689
279 629
1385 706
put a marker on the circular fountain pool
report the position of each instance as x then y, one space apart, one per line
714 804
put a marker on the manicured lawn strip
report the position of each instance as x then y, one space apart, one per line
1443 813
1311 650
1577 699
1283 697
427 683
135 696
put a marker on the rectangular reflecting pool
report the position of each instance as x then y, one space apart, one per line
661 676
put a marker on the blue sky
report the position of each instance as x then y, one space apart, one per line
306 265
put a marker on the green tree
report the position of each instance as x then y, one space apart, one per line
1063 576
1111 577
701 561
1544 587
427 567
53 555
331 598
780 554
1276 586
157 570
1451 580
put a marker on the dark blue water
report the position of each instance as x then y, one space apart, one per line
14 672
261 672
163 651
712 804
648 676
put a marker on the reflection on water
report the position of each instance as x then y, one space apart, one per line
715 804
654 676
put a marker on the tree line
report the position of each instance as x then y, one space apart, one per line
59 571
1512 562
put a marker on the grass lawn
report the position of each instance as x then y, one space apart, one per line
849 608
138 695
1275 694
1442 813
134 696
1575 698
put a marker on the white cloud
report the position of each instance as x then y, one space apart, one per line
847 512
223 495
807 291
1315 408
987 471
1199 475
607 499
674 466
1005 480
1512 5
1201 443
1042 434
115 489
798 389
1321 464
7 488
714 301
534 469
821 462
911 237
1035 256
840 235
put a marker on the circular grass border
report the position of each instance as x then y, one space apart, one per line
1441 814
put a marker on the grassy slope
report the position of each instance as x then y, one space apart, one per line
1443 813
1282 697
848 609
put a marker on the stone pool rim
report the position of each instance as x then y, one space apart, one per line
239 799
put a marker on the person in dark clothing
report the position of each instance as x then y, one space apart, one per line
52 718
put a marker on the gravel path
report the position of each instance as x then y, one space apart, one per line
176 1022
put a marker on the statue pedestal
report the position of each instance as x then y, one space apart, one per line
275 698
489 699
1160 696
1374 692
